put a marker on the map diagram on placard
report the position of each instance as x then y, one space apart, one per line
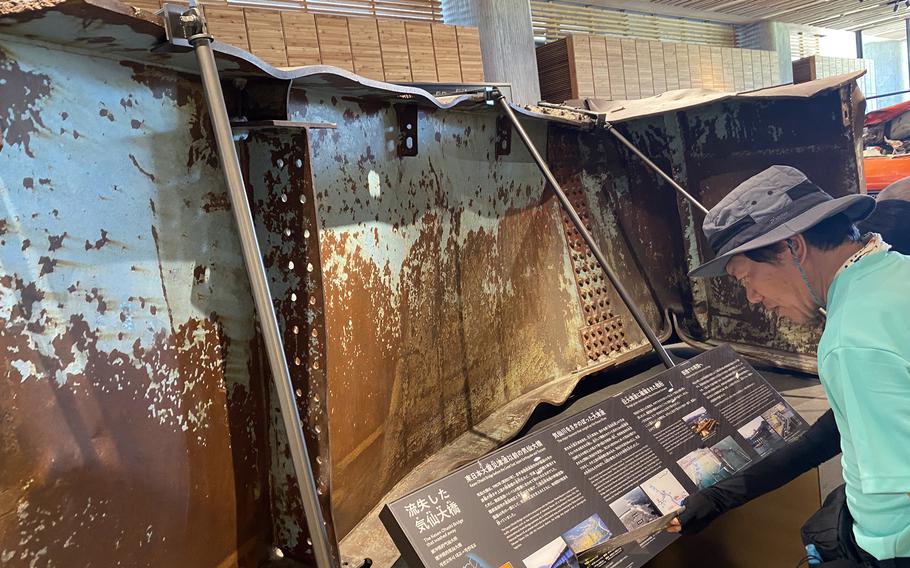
665 491
703 468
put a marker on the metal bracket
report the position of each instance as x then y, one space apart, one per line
407 129
503 136
265 99
351 562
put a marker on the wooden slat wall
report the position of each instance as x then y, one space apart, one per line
583 65
396 50
300 38
580 59
365 48
671 66
645 74
682 65
228 24
616 72
420 48
469 54
393 41
658 70
445 46
554 20
266 36
727 58
334 41
629 69
601 67
819 67
696 76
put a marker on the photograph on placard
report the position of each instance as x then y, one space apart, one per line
731 454
782 420
703 468
761 436
701 422
554 554
635 509
589 532
665 491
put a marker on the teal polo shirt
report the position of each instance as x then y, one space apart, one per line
864 365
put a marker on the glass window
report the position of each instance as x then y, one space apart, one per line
886 48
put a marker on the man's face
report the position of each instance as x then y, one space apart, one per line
777 286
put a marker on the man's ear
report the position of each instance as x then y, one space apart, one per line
798 246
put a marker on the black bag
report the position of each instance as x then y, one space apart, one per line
830 530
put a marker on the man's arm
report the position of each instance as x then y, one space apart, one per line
820 443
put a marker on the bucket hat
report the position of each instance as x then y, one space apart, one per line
769 207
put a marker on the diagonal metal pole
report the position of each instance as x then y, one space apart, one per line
198 37
583 231
599 117
656 168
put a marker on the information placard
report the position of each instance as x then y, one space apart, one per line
554 498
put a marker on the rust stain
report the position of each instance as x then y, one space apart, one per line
55 242
99 243
138 167
123 440
101 39
216 201
47 265
167 302
135 123
100 450
21 92
184 90
369 105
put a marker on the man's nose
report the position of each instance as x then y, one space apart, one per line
753 296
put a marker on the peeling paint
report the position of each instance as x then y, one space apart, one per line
131 421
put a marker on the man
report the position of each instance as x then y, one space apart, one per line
891 219
899 189
796 251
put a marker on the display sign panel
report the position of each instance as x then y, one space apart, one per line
555 498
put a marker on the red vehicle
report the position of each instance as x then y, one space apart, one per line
882 171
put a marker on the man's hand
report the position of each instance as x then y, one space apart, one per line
698 513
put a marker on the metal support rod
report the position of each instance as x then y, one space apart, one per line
600 118
252 258
656 168
888 94
589 240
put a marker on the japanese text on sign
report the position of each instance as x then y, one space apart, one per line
432 510
641 393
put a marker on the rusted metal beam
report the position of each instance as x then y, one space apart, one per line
197 34
586 235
